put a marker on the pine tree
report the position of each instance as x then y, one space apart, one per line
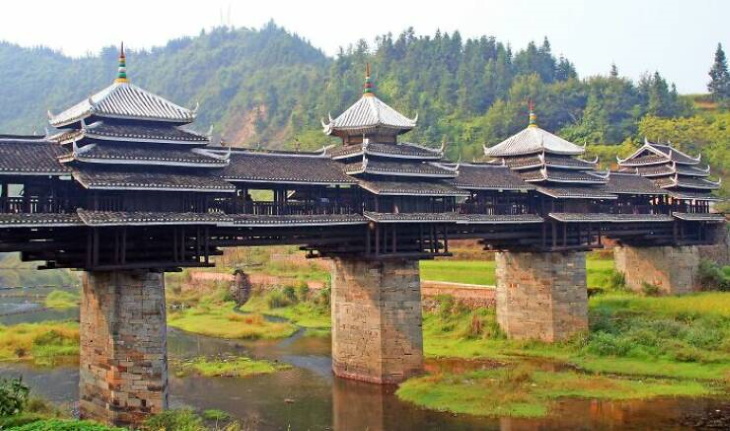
719 85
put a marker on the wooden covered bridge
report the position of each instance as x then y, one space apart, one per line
124 191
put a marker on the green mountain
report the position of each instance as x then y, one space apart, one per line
269 87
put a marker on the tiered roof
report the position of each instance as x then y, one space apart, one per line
126 125
381 164
674 171
369 116
551 163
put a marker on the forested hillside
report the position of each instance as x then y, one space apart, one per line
270 87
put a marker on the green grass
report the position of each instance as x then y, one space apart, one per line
306 314
483 271
464 271
44 343
229 367
219 320
62 300
525 392
681 337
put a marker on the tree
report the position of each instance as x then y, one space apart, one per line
719 85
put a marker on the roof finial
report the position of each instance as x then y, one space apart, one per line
367 89
122 71
532 116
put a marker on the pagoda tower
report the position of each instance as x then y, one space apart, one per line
679 174
553 165
402 181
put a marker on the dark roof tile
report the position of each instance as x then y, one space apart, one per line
30 157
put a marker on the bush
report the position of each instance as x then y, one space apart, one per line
277 299
617 280
13 396
649 289
174 420
712 277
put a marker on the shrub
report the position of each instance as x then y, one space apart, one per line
649 289
712 277
13 396
617 280
174 420
277 299
290 294
302 291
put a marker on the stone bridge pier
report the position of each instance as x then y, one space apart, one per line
542 295
123 364
673 270
376 320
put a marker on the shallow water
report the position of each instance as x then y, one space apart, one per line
308 397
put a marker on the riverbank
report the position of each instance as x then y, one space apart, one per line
637 347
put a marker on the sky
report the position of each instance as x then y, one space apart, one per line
677 38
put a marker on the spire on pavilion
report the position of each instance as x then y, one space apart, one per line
122 71
367 88
532 116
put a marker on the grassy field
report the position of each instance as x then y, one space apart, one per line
46 343
219 320
483 271
62 300
524 391
636 347
228 367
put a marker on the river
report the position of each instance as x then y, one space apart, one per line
308 397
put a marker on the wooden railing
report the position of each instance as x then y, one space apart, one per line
33 205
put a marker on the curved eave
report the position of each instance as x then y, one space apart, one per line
562 181
490 152
158 188
404 156
77 120
371 171
133 162
287 181
365 129
146 140
582 196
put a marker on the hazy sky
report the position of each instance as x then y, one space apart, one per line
678 38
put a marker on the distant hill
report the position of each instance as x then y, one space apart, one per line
269 87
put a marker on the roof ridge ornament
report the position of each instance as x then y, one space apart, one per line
367 88
122 70
532 117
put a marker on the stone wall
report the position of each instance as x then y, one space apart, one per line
376 320
674 270
123 363
542 295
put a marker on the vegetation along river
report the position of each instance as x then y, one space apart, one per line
308 397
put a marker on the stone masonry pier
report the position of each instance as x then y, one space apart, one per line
123 364
542 295
673 270
376 320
